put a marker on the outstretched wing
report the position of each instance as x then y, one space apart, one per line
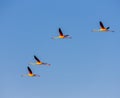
60 32
101 25
30 71
36 59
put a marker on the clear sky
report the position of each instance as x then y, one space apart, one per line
86 66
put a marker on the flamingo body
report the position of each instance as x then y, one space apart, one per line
103 28
30 73
61 35
38 62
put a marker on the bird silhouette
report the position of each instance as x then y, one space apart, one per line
61 35
30 73
38 62
103 28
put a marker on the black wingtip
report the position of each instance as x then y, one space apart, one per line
28 68
59 29
30 71
108 28
35 56
100 22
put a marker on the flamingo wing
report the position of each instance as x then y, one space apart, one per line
108 28
60 32
66 35
101 25
36 59
30 71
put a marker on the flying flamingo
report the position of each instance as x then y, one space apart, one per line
102 28
38 62
30 73
61 35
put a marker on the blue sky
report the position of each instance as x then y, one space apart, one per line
86 66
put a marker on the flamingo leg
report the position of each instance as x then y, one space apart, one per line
111 31
69 37
37 75
46 64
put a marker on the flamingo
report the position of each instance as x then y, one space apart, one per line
102 28
38 62
30 73
61 35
